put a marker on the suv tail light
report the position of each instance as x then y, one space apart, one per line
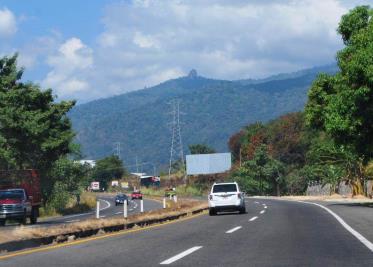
210 197
239 195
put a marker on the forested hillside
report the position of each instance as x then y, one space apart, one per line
214 110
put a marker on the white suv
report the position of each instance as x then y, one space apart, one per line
226 197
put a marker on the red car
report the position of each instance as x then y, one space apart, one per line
136 195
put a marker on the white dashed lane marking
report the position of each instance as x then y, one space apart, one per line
181 255
262 211
253 218
233 229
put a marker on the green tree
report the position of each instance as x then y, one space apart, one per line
107 169
262 174
34 130
201 149
342 105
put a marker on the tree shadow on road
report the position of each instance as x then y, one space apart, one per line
362 204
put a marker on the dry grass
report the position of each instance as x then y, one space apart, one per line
174 209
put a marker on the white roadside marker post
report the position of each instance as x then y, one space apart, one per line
175 198
141 206
98 209
125 209
164 202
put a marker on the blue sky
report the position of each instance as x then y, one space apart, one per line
98 48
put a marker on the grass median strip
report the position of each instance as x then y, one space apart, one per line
92 227
81 241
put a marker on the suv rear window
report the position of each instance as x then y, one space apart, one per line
219 188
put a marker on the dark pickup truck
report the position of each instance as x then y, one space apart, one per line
20 196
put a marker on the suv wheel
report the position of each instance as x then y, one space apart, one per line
243 210
212 212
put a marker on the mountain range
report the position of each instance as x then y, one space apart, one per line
211 111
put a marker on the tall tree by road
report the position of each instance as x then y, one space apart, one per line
342 105
107 169
34 129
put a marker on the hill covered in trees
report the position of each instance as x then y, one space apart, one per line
214 110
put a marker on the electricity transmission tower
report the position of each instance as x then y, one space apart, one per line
176 141
117 149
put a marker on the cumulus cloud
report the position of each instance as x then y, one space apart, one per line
224 39
8 23
70 66
146 42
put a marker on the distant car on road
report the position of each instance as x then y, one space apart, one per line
226 197
120 198
136 195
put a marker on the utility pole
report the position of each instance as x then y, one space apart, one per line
176 139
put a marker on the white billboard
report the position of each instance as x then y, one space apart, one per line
208 163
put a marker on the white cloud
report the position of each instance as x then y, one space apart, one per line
8 23
70 69
222 39
146 42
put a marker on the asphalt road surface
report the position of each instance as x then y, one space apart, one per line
272 233
107 209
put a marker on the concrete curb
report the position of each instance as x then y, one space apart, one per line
55 239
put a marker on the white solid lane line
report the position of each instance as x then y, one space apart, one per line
71 221
355 233
253 218
262 211
119 212
233 229
181 255
76 215
107 203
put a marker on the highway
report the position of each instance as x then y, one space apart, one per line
272 233
107 209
